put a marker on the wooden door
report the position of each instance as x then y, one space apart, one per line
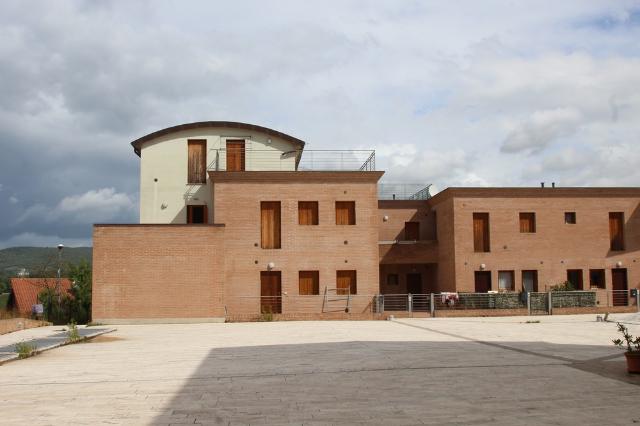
270 292
619 285
235 156
412 231
482 281
346 282
414 283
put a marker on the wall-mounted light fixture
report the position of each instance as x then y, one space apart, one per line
483 266
271 265
619 264
385 218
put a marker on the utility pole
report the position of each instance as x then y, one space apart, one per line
60 247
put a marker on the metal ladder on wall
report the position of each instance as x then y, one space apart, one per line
336 300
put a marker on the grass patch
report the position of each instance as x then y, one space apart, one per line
532 322
74 334
25 349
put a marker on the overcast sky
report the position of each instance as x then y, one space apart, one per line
501 93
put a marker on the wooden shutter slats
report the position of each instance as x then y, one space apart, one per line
196 162
527 222
481 232
309 282
616 230
307 212
235 156
345 212
346 282
270 224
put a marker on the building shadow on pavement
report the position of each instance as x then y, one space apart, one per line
406 382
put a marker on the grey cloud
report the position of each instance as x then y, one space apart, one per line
86 77
541 129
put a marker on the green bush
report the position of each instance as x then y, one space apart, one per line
25 349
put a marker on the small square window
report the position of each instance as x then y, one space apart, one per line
307 212
527 222
570 218
392 279
345 212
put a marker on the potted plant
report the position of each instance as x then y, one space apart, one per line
632 345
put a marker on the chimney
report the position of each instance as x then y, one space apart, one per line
553 184
541 184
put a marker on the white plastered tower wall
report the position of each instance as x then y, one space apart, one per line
164 191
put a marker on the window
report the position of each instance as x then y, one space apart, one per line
616 230
481 232
392 279
530 281
505 280
574 276
197 214
527 222
346 282
412 231
196 161
307 212
596 278
570 218
345 212
235 155
270 224
308 282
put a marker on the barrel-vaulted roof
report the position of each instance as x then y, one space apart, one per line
137 144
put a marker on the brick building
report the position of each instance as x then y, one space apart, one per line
238 219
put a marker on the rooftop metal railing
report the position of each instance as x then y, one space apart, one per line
403 191
295 160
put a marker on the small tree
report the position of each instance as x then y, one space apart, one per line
80 275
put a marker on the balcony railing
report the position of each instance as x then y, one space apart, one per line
403 191
296 160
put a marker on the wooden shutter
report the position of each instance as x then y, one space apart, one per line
307 212
527 222
481 232
270 224
616 230
345 212
346 282
196 163
235 156
194 211
308 282
412 231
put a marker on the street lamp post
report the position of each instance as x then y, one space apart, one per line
60 247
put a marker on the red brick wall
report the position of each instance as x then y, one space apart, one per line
158 272
554 247
313 247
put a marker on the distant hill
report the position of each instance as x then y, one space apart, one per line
39 260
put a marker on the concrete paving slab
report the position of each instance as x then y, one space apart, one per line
563 370
44 340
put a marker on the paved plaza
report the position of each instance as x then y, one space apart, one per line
499 371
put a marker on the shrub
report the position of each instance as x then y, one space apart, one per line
25 349
74 335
